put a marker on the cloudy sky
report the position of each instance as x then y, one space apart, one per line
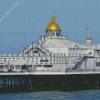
23 21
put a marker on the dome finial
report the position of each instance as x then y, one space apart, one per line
53 19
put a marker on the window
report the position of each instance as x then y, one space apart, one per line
42 60
36 59
90 52
17 67
98 52
98 64
47 65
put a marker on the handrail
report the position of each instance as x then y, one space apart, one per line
55 70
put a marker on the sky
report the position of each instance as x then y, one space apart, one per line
23 21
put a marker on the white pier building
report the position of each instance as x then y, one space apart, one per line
53 53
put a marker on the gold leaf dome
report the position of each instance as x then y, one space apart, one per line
53 25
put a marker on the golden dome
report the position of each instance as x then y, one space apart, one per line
53 25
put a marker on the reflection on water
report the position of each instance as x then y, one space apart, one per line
53 95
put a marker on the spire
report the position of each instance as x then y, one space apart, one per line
88 38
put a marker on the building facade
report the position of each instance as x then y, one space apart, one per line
53 53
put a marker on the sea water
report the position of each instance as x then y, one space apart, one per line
53 95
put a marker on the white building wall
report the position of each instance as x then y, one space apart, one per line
59 50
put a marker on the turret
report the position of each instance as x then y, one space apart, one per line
88 40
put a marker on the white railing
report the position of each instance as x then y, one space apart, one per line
53 70
69 70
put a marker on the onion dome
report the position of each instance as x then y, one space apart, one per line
88 37
53 25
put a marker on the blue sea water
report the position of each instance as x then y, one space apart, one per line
53 95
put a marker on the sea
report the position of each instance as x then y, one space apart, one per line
53 95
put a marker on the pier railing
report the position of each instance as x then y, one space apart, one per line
56 71
69 70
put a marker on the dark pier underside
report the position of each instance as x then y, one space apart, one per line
27 83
